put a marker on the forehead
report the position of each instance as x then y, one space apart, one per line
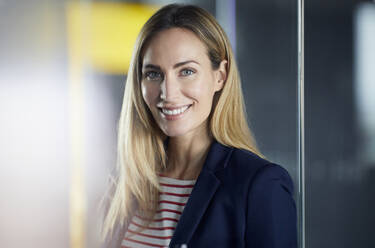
174 45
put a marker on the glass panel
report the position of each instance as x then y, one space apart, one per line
267 59
340 163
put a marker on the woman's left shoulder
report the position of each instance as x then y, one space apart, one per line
248 166
270 209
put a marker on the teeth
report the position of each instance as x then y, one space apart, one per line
175 111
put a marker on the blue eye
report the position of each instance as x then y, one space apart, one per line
187 72
152 75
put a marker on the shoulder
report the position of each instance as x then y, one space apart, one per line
247 166
247 160
249 175
267 191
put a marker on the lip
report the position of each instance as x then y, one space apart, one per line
174 117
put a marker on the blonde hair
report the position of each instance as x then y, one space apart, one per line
141 151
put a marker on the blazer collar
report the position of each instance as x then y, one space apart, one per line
205 187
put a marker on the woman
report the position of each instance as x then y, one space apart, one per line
189 172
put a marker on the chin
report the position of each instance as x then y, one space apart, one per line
175 132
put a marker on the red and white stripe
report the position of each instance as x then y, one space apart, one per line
173 197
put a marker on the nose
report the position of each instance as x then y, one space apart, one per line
169 88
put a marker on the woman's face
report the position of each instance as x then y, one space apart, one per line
178 82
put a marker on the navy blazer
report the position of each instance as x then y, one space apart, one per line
239 200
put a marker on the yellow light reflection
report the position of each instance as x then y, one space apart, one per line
110 32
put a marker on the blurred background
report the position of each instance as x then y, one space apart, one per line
63 67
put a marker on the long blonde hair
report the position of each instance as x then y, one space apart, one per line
141 151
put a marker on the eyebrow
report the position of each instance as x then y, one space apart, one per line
184 63
151 66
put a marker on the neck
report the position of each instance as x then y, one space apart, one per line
186 154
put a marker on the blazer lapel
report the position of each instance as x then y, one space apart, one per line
205 187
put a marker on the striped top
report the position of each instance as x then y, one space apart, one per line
173 197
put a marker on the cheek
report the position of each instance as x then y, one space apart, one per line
202 90
150 93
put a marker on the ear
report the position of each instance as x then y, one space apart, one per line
221 75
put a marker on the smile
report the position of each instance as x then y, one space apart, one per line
175 111
174 114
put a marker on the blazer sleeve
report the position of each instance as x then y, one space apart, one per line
271 218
